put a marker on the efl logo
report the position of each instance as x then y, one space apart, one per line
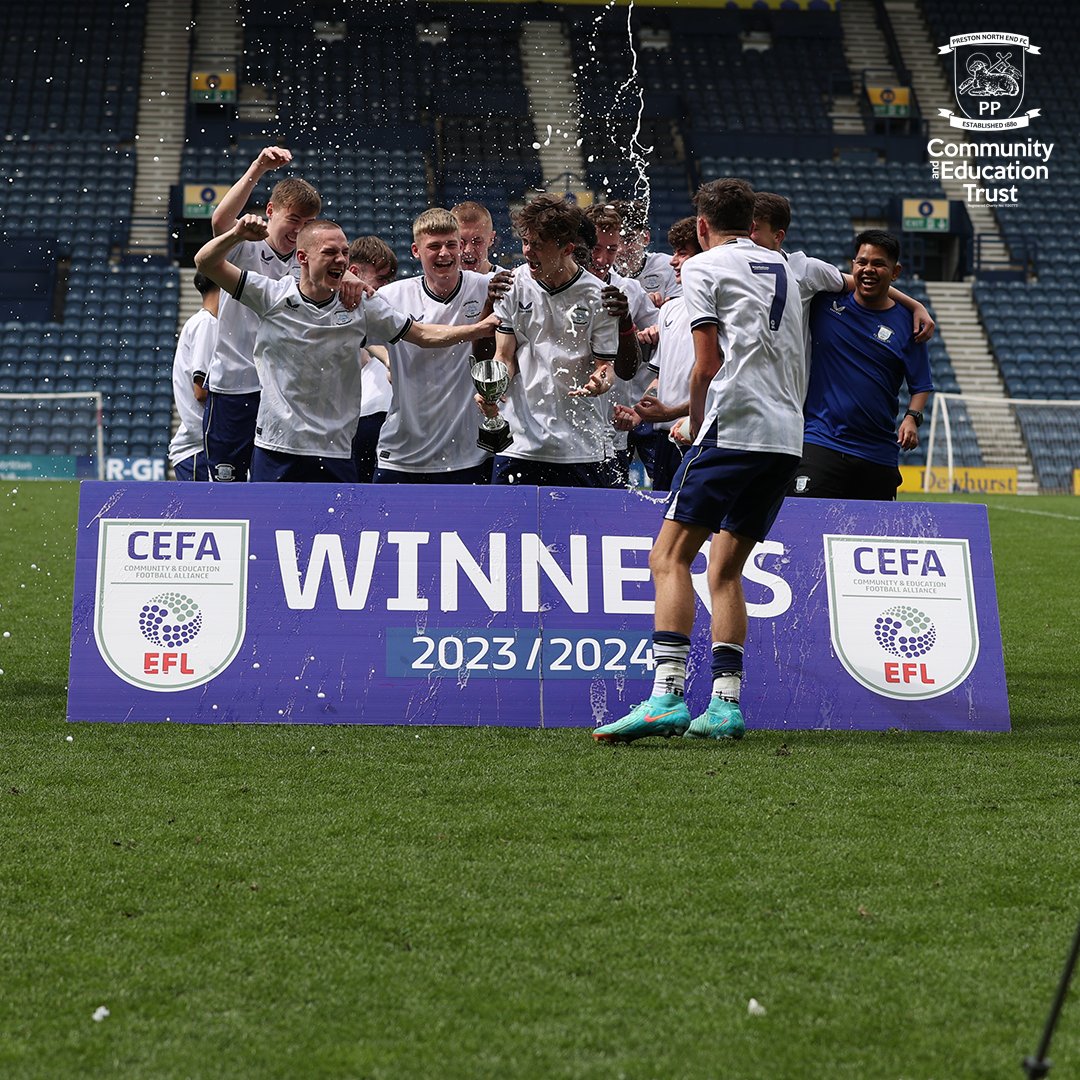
902 613
179 587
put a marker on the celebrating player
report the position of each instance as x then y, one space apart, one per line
229 421
430 431
746 395
306 350
667 399
194 348
477 236
375 264
558 342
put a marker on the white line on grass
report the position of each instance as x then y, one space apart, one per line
1039 513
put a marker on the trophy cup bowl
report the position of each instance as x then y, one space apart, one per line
491 378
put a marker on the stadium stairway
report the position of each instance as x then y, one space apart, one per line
553 99
996 428
863 50
920 53
160 123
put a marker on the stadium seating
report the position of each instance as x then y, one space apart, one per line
403 105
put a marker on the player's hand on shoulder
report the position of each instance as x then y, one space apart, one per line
499 285
615 302
924 324
353 290
251 227
658 299
272 157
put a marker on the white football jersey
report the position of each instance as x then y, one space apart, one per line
673 360
645 314
194 350
657 275
375 389
308 358
560 334
232 370
431 425
814 276
753 297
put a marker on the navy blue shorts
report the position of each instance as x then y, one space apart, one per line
365 445
589 474
229 434
192 468
274 465
666 463
478 474
738 491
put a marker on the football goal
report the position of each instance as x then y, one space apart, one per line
54 435
1040 438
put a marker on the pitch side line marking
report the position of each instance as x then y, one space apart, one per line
1039 513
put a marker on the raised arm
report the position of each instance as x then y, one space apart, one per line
433 336
236 198
211 259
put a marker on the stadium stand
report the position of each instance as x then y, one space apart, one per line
392 108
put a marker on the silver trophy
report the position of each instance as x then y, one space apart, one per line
491 378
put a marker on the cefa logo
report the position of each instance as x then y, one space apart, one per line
160 583
902 613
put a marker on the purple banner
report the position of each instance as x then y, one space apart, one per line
286 603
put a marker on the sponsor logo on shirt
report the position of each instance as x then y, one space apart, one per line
291 302
524 307
838 308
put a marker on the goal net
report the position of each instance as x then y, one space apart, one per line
52 435
1039 438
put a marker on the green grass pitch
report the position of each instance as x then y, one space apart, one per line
438 903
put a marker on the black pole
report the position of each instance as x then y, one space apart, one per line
1038 1066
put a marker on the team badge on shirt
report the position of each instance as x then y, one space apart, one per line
883 333
341 318
579 315
470 309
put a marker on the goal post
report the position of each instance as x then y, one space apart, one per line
1039 437
66 424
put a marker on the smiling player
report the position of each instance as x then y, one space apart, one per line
233 383
429 436
307 349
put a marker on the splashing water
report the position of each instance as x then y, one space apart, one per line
632 92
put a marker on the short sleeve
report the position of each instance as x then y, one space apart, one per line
383 322
505 307
261 293
700 302
203 343
818 276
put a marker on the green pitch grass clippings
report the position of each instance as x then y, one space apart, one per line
399 902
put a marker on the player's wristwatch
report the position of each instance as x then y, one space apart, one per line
916 416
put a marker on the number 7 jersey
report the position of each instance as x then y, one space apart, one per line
752 296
